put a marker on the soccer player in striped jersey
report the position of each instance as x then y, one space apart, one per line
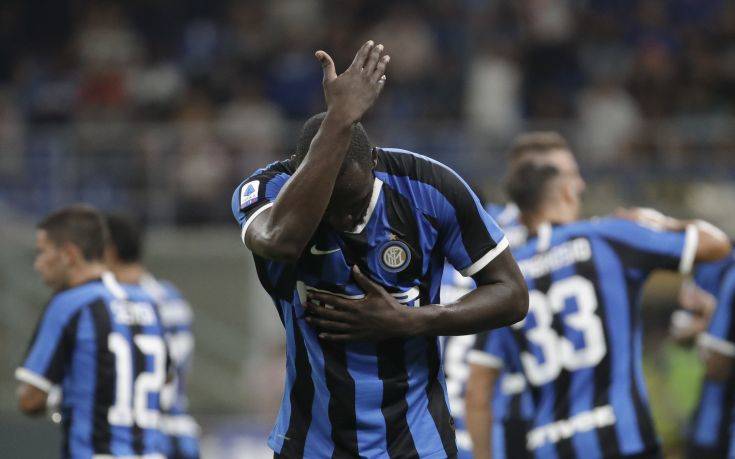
538 147
579 348
124 258
99 344
349 240
707 318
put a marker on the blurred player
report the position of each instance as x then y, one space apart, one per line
579 349
538 147
124 257
707 318
101 342
364 375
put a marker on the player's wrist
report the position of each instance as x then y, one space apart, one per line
340 117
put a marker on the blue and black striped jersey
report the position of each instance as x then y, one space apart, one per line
579 348
507 421
710 433
103 344
180 429
372 399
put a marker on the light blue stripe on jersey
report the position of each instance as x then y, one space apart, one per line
82 366
708 422
316 446
613 292
275 440
362 364
423 430
498 438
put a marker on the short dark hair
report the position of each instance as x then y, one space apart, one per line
126 235
527 186
359 151
537 143
81 225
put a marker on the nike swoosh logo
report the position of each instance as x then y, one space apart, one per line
315 251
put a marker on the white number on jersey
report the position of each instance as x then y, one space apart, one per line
131 397
558 351
457 371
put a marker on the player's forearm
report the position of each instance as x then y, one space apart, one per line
479 426
300 206
485 308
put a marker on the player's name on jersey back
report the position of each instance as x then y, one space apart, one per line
133 313
566 254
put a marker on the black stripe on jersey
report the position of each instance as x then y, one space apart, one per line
341 400
606 436
392 371
283 287
105 381
481 341
515 432
138 368
62 355
403 224
302 395
66 421
437 403
476 240
642 411
648 261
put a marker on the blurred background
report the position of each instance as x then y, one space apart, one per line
161 107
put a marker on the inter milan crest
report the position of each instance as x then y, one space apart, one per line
394 255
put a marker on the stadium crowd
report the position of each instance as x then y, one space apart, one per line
124 107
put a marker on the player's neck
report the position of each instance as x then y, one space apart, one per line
86 272
129 273
553 215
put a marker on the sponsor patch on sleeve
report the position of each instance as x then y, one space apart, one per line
249 194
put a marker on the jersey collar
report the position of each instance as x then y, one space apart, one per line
377 186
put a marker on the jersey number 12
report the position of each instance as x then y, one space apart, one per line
131 397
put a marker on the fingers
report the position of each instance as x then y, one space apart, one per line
378 75
328 326
359 62
365 283
372 59
326 313
325 298
330 73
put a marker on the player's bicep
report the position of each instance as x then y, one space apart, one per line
50 349
470 238
651 248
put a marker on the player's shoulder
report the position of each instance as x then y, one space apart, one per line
709 275
428 183
398 162
69 301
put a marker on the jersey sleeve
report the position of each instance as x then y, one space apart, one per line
720 335
489 350
470 238
51 347
256 194
649 248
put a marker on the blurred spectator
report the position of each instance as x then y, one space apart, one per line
609 119
176 97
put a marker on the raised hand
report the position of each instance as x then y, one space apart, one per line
353 92
375 317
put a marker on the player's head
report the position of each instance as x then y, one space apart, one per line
125 245
354 185
543 193
548 148
67 240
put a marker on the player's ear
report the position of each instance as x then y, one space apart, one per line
71 254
